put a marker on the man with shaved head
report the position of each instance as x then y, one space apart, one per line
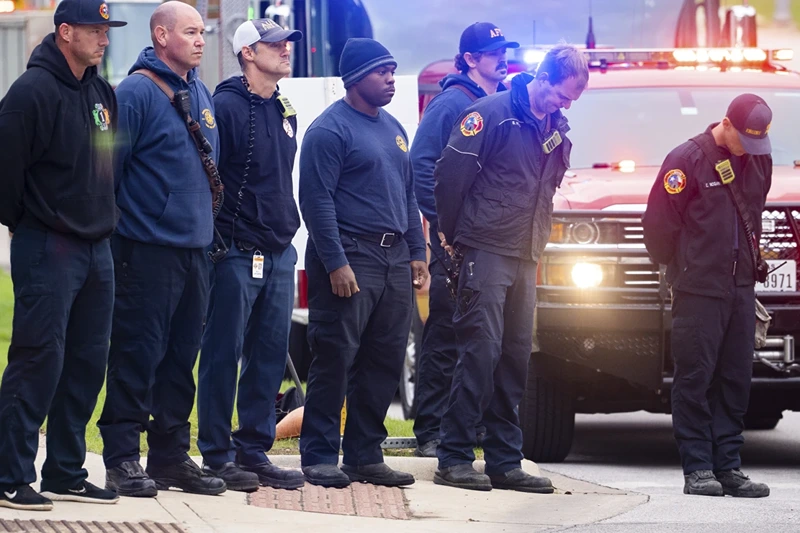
165 223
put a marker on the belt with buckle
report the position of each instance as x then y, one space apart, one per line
386 240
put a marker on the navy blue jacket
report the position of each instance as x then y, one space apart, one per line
356 177
494 182
692 224
433 132
268 215
162 189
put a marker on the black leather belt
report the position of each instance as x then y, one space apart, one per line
385 240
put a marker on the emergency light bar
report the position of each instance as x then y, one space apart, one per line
605 57
7 6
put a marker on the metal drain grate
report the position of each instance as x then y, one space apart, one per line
62 526
359 499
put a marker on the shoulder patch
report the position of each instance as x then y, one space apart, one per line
208 117
472 124
674 181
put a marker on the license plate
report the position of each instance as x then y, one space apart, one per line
782 277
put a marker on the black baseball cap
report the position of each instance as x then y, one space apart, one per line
751 116
483 37
84 12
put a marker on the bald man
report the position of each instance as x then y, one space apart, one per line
161 269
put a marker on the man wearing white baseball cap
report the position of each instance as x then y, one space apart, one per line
252 278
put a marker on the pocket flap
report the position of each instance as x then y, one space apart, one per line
322 315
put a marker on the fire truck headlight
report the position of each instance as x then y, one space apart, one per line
587 275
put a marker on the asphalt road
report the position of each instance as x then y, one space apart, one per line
636 452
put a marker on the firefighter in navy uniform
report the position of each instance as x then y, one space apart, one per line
693 225
483 67
494 189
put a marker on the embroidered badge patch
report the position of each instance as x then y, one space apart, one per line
209 118
472 124
674 181
287 127
104 11
401 143
101 117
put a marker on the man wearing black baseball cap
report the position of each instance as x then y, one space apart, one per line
482 67
57 125
703 220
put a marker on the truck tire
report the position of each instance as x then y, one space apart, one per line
410 366
547 417
761 421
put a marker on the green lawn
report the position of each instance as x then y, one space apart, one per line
396 428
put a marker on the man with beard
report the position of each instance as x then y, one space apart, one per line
482 64
365 252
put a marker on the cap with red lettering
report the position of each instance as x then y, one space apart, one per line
483 37
752 117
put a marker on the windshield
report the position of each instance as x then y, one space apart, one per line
644 125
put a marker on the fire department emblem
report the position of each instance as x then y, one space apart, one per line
287 127
208 118
472 124
104 11
101 117
401 143
674 181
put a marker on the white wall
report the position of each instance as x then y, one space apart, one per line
311 96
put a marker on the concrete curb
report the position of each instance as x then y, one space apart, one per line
422 468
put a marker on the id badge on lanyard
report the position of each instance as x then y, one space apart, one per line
258 265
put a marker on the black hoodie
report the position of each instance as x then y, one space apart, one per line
268 216
57 136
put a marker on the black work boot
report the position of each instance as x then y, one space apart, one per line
186 476
235 478
270 475
428 449
326 475
735 483
130 479
462 476
378 474
518 479
702 483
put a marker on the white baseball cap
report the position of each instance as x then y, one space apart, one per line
262 30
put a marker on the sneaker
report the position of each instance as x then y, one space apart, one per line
130 479
378 474
520 480
428 449
235 478
462 476
326 475
85 492
186 476
702 483
24 498
735 483
270 475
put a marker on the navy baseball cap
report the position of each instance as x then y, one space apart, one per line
752 117
84 12
483 37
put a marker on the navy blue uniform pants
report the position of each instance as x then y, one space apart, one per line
248 322
494 331
437 360
712 347
160 306
63 295
358 346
